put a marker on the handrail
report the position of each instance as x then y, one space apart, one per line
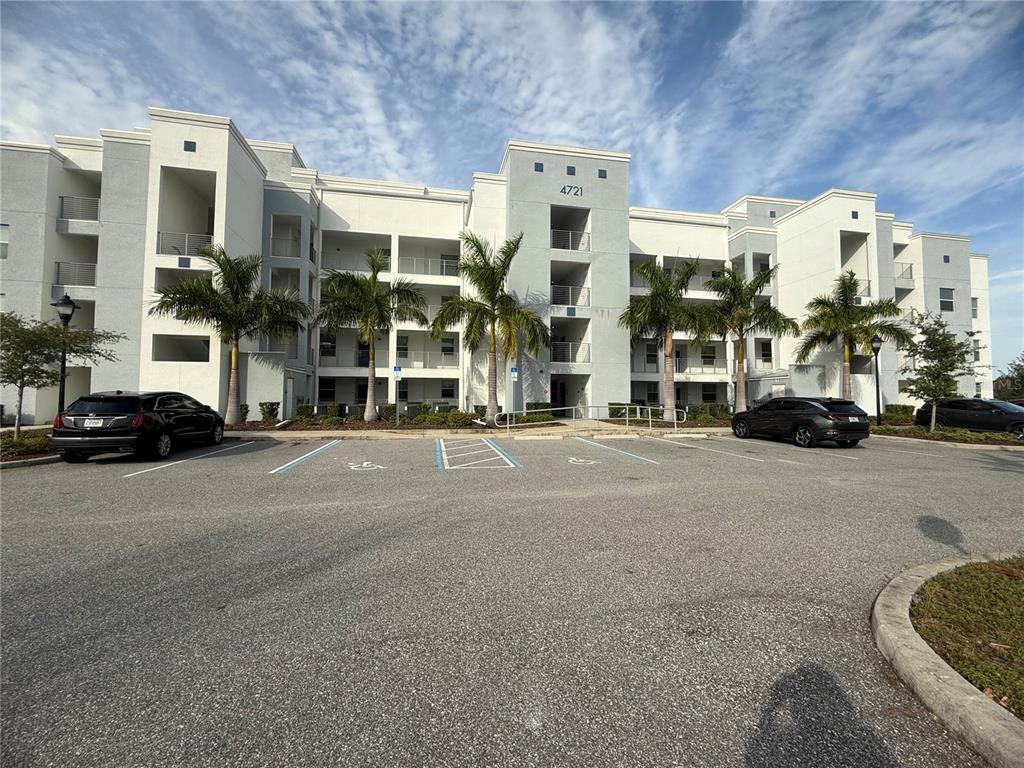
903 270
570 352
570 295
422 265
570 240
640 414
82 208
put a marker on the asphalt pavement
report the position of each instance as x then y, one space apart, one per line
471 602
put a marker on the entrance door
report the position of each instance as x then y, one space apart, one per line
558 393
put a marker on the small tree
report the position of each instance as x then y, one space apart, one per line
1010 385
939 359
31 350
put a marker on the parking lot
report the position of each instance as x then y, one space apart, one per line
480 601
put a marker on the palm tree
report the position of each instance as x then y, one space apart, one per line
663 311
738 313
837 318
232 301
492 312
372 306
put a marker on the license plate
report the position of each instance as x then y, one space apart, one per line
94 422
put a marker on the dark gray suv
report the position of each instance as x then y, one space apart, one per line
806 420
975 414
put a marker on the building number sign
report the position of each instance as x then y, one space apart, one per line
572 190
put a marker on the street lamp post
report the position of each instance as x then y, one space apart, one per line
65 309
876 345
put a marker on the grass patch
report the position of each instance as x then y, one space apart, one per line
33 442
949 435
973 617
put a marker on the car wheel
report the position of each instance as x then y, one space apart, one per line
216 436
848 443
741 429
1017 430
162 446
804 437
73 457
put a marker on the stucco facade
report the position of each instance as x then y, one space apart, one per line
113 219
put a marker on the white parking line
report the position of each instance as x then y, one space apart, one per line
304 457
897 450
699 448
624 453
446 453
182 461
787 461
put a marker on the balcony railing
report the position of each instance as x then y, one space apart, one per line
903 270
570 295
84 208
354 358
284 247
415 359
762 364
568 240
181 243
635 281
289 346
643 366
420 265
701 365
71 273
569 352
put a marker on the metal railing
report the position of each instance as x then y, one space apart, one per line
903 270
354 358
72 273
284 247
416 359
570 352
570 295
701 365
420 265
616 417
635 281
84 208
181 243
289 346
569 240
643 366
763 364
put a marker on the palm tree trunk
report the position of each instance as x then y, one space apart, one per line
669 378
845 377
231 417
491 414
935 410
17 412
370 411
740 401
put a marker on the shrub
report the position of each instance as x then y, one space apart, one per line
304 412
387 412
331 411
437 419
541 408
268 410
243 413
420 418
480 410
898 408
33 442
302 421
460 419
332 421
532 418
949 434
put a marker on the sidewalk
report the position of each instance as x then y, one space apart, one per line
583 428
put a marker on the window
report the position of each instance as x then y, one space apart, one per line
771 214
854 215
977 388
651 355
652 392
361 391
326 390
766 351
707 354
403 390
945 258
976 346
538 167
402 347
974 307
171 403
764 266
716 273
328 346
602 173
709 393
570 170
447 345
190 146
945 299
448 388
5 237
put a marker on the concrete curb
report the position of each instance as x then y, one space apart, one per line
532 434
946 444
29 462
988 729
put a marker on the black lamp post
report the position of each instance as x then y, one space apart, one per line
876 345
65 309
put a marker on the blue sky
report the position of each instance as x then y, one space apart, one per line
921 103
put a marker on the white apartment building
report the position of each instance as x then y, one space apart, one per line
111 220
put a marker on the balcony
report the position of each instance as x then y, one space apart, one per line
569 240
416 359
570 352
80 208
903 271
72 273
290 347
643 366
181 243
420 265
354 358
635 281
764 364
570 295
701 365
284 247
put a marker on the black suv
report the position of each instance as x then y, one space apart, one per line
975 414
149 423
807 420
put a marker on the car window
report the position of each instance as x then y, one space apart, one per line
841 407
771 405
956 405
188 402
1005 406
977 405
170 402
102 406
796 405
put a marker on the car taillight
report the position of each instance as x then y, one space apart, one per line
139 420
57 423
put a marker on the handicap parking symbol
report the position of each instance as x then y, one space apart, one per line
364 465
